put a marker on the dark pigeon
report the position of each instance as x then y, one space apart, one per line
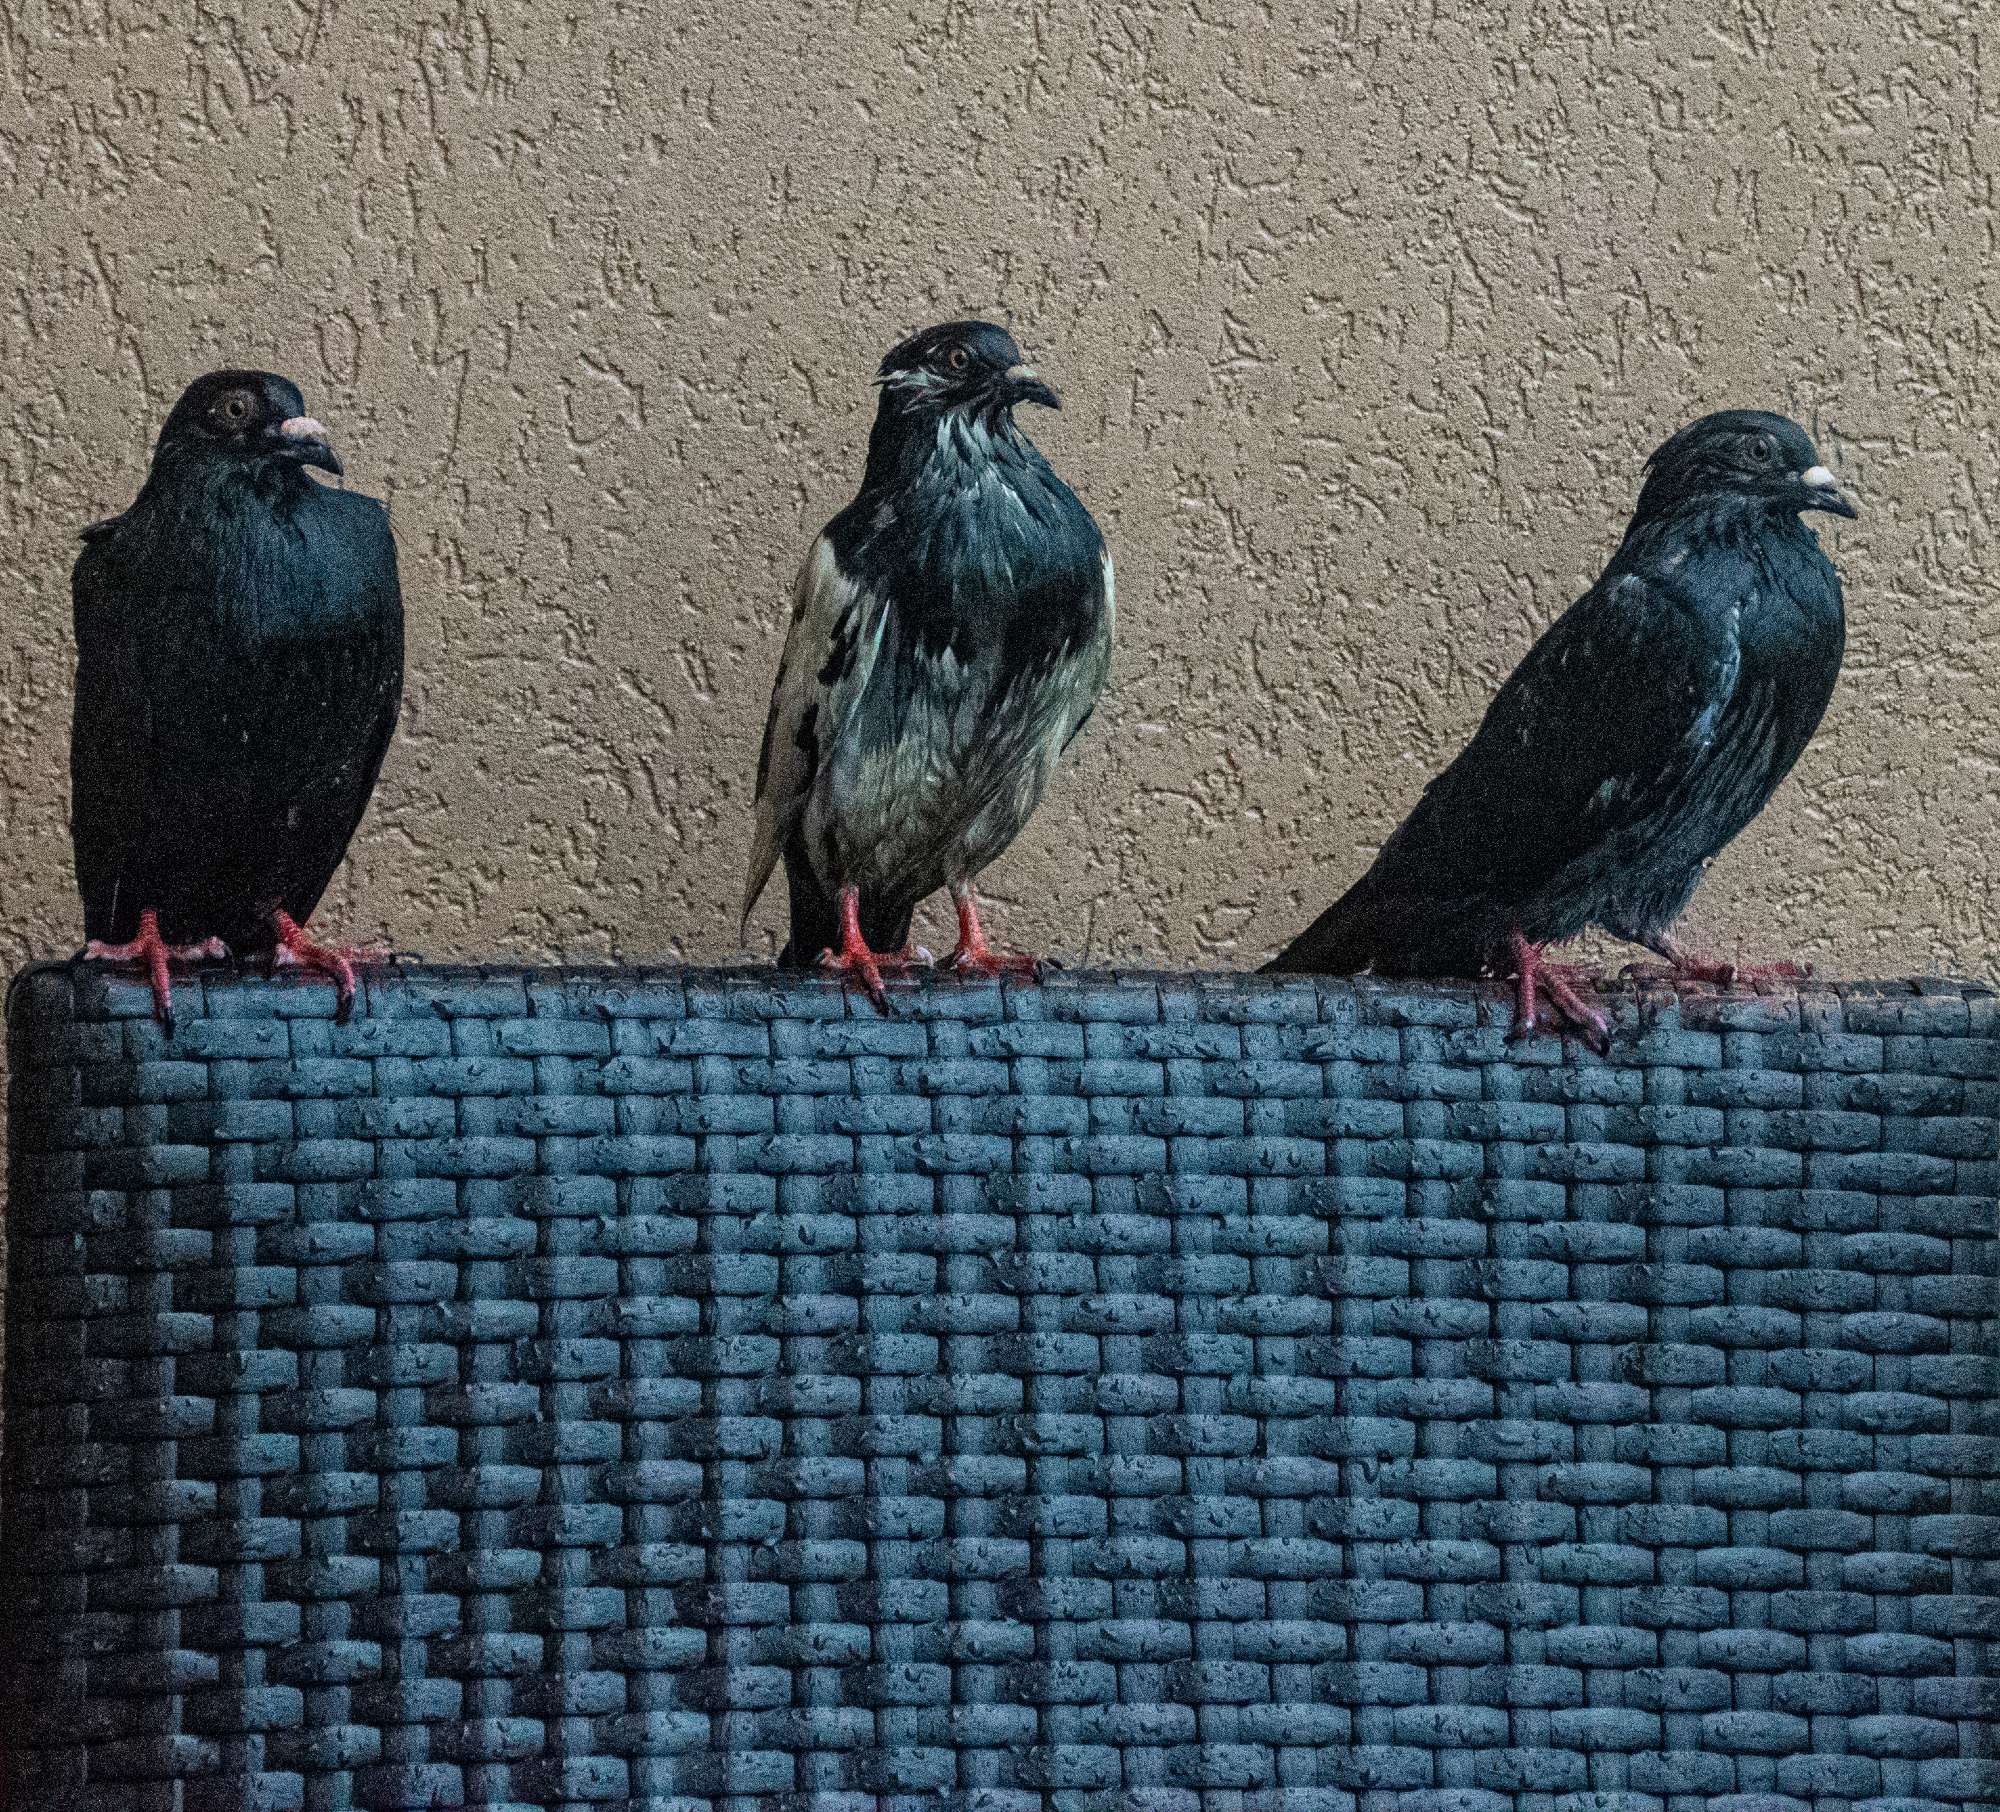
1645 729
239 638
951 632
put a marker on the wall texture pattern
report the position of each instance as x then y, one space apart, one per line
1139 1394
1366 316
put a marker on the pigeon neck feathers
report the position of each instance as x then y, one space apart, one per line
971 488
227 527
1760 571
1717 511
197 499
185 475
962 524
1688 532
913 442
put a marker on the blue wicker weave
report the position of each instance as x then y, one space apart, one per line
686 1391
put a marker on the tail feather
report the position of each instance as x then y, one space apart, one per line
815 918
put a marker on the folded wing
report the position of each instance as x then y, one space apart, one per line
830 651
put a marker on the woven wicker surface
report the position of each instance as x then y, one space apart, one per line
682 1391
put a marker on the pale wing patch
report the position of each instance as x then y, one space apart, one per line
829 651
1097 657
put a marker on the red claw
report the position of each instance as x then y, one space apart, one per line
295 949
974 956
152 952
856 964
1686 965
1740 975
1534 976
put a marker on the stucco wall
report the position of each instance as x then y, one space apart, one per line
1366 316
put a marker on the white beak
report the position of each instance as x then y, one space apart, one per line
302 427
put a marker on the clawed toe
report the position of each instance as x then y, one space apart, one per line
1773 972
859 969
1721 974
856 964
1568 1011
1535 978
991 965
294 949
151 952
975 957
1589 1023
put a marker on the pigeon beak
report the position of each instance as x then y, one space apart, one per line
1023 386
1823 492
304 441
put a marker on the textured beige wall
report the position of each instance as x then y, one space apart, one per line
1366 314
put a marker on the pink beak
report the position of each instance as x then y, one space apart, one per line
305 440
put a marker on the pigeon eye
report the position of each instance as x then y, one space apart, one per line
1760 449
235 407
956 358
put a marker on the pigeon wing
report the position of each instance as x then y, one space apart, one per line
363 672
1616 707
1603 721
1626 698
111 748
830 651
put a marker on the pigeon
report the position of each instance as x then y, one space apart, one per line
239 636
950 635
1643 731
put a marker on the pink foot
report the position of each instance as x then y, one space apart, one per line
855 964
296 950
1686 965
1732 975
974 956
209 950
153 953
983 962
1535 976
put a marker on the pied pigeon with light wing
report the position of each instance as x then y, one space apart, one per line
950 635
239 638
1649 724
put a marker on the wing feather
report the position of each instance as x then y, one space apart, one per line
830 651
951 757
1629 702
1600 723
111 768
1106 636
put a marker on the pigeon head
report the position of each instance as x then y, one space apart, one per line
971 366
1740 455
254 418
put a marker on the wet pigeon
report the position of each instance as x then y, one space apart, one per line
1642 732
951 631
239 640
